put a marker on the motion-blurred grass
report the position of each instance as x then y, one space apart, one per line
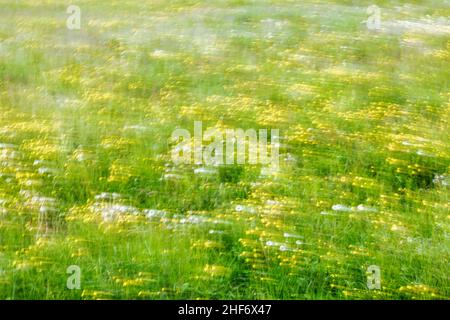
86 176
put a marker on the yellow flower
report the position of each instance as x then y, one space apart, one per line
216 270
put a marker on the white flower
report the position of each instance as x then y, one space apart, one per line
423 153
290 235
216 232
441 179
45 170
341 207
153 213
111 212
45 209
7 146
135 128
108 196
273 244
42 200
160 53
81 157
37 162
407 143
171 176
193 220
204 171
221 221
326 213
269 171
365 209
290 158
242 208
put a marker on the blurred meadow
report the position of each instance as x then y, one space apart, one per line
86 176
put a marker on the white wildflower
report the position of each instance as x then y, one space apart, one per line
341 207
363 208
204 171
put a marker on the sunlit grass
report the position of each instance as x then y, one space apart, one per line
86 176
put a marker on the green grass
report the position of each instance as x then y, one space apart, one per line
364 120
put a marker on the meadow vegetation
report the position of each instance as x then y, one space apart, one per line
87 179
